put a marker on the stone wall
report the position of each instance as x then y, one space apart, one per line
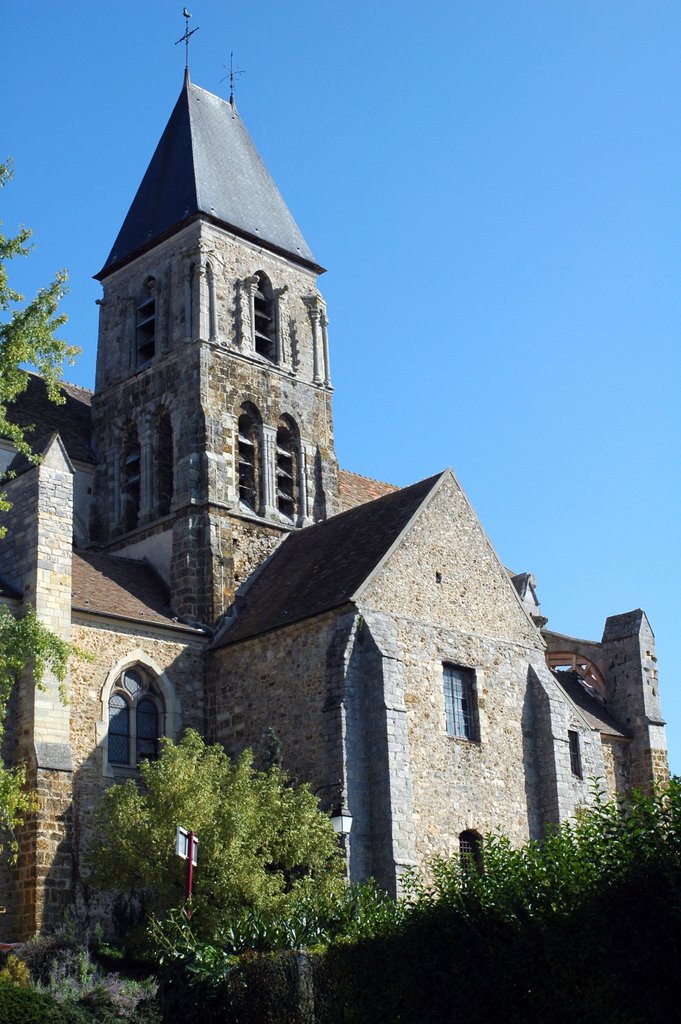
204 368
180 657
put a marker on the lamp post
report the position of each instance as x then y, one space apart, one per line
187 847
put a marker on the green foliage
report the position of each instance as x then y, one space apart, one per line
263 843
15 972
585 925
24 1006
27 335
22 640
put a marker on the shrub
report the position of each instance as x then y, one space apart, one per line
15 972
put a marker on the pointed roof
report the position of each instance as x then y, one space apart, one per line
324 566
206 163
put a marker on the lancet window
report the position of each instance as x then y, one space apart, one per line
287 467
249 457
264 313
135 718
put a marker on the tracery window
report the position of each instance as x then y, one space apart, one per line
265 318
249 457
135 718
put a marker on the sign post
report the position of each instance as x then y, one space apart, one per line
187 847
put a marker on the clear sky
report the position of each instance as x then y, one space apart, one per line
494 188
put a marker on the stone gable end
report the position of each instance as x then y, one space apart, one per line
444 569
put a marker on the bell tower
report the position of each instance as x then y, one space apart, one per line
212 410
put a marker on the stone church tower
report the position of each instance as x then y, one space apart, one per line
212 409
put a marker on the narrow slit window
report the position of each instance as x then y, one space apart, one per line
575 753
470 851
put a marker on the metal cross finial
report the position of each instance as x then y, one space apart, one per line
185 38
234 73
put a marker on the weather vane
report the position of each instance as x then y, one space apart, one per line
234 74
185 38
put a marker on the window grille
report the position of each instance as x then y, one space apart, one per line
459 690
470 851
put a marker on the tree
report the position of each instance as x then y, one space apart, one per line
27 337
263 843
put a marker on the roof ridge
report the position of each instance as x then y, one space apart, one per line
373 479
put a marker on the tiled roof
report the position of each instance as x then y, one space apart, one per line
120 586
321 567
593 710
206 163
356 490
71 419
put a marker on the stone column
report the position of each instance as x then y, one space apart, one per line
212 307
247 290
189 281
324 323
305 510
280 306
268 470
231 428
146 440
113 476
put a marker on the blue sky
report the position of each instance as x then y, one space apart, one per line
493 186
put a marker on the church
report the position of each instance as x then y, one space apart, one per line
188 526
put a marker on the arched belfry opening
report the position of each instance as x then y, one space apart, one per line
249 448
287 468
265 319
146 323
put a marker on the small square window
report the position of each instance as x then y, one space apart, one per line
459 690
575 756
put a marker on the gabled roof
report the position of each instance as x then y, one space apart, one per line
72 420
206 163
356 489
122 587
593 709
323 566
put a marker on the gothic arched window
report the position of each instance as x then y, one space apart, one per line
130 480
164 460
135 718
287 467
249 457
265 319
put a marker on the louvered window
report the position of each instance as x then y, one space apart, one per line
265 319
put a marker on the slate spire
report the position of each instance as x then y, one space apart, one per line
206 164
